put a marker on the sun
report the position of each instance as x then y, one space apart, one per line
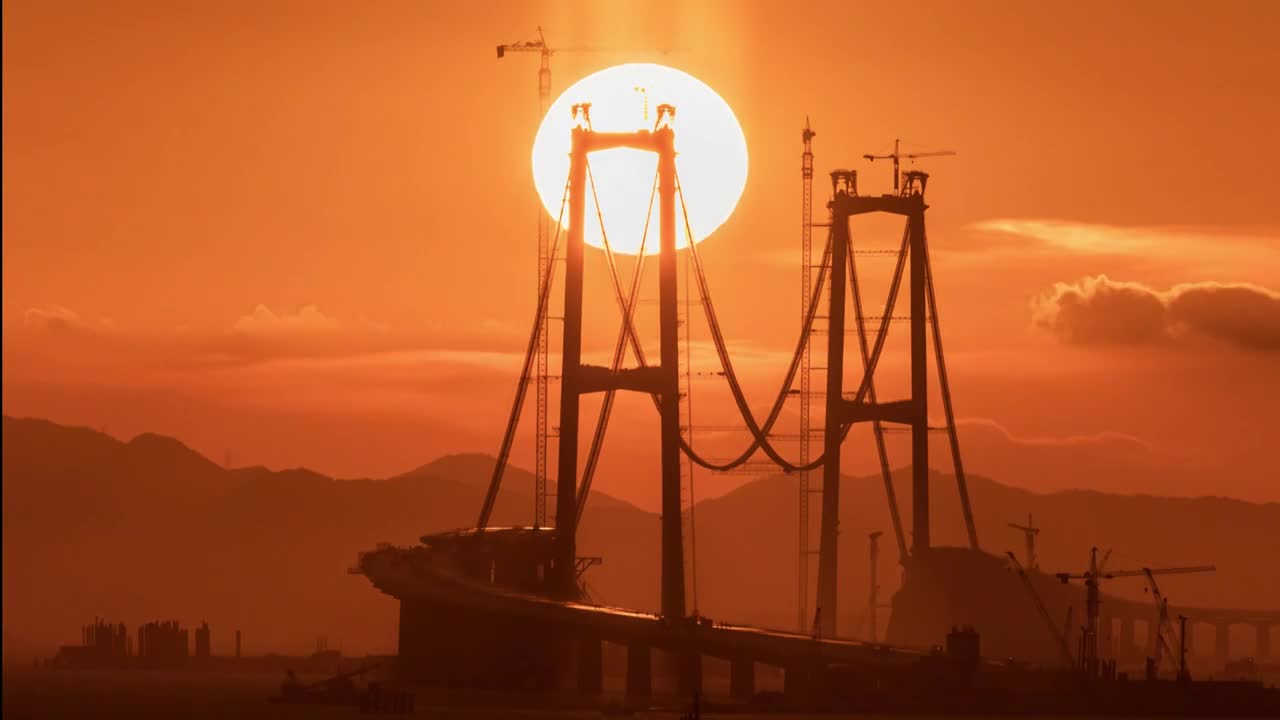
711 154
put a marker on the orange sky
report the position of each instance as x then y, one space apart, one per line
301 232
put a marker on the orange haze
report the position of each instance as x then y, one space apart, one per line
301 233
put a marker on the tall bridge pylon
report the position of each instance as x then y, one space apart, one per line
843 411
661 381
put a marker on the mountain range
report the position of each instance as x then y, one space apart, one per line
146 529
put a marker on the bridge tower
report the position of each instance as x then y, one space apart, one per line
843 411
662 380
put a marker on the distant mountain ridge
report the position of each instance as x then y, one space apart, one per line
150 528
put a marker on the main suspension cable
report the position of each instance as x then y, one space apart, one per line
508 438
759 433
961 483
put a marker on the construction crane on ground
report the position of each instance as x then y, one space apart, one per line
1030 531
897 156
1059 637
1096 572
1164 630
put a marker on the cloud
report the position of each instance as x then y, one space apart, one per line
58 318
1118 442
263 320
1102 239
1221 252
1242 315
1098 310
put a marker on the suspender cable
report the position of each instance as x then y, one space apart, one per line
628 306
877 429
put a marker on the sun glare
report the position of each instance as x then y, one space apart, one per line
711 157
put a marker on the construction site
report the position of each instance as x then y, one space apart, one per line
969 630
667 360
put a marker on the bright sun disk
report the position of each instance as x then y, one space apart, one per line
711 154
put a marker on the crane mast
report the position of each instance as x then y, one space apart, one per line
541 378
806 280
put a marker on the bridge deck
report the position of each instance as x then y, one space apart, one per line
408 574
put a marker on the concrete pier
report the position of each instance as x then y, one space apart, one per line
639 671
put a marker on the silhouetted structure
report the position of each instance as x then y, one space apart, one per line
105 641
202 640
501 607
102 644
163 643
662 381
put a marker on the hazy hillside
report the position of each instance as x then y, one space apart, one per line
132 531
1141 530
149 528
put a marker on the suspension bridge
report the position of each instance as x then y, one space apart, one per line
509 602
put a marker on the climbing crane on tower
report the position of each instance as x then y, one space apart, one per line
896 156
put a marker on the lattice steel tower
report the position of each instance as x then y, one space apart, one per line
806 283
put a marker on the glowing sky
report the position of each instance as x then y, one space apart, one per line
303 233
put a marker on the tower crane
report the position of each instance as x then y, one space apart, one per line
896 156
1095 573
1030 531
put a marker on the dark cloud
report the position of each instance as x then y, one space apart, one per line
1238 314
1099 310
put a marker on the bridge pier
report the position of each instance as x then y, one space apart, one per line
463 647
590 658
742 679
799 680
689 672
1222 641
639 671
1263 632
415 638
